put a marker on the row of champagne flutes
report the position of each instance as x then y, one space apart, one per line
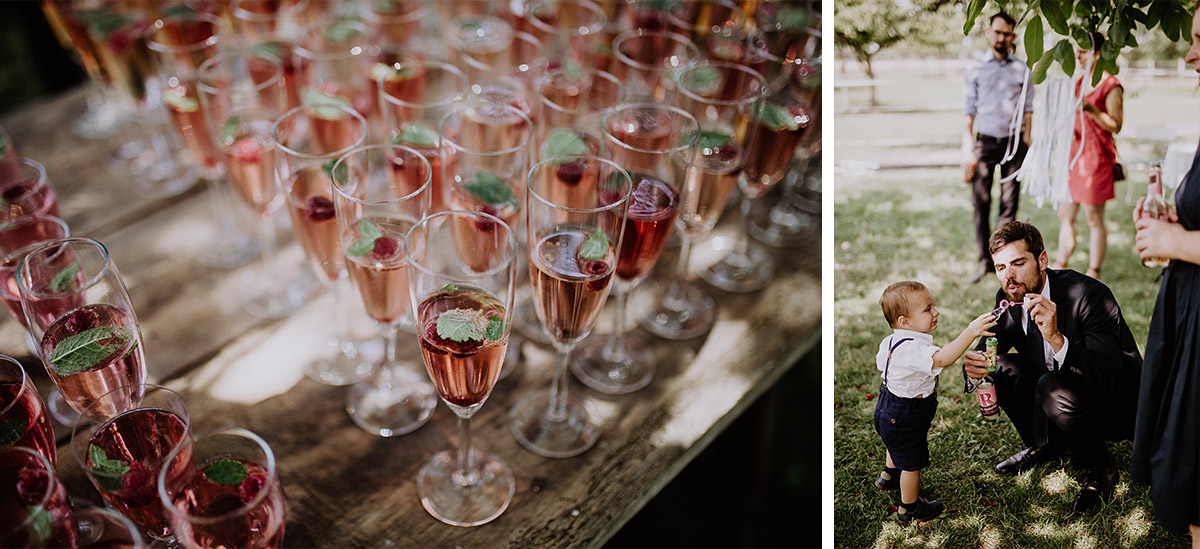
132 440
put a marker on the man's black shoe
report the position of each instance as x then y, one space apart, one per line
1026 459
1097 484
984 269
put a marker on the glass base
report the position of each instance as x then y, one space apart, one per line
465 502
392 402
527 323
268 297
101 120
61 411
159 178
349 364
687 315
569 436
616 374
229 249
789 224
739 273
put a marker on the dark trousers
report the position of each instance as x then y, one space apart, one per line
989 151
1059 407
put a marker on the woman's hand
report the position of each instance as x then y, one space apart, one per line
1172 215
1159 238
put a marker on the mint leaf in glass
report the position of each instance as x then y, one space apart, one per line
41 524
450 288
229 129
269 48
341 32
417 135
777 117
572 69
711 141
64 279
490 189
366 244
179 99
595 247
227 471
391 72
107 472
462 325
88 348
495 328
325 105
11 431
702 80
563 141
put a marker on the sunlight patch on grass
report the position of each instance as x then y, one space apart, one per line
1047 529
1134 526
894 534
989 538
936 203
1057 482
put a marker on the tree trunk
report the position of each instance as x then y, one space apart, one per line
871 77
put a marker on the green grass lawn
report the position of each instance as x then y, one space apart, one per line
916 224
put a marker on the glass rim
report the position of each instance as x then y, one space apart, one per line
240 13
731 65
609 137
209 65
67 241
738 21
268 457
309 156
544 81
43 180
556 160
506 263
369 14
441 66
540 59
112 514
689 47
365 149
358 47
26 220
461 109
583 30
52 480
160 24
24 380
147 388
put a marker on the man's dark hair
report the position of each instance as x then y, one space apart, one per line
1005 16
1017 230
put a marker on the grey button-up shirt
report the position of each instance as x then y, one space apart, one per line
992 90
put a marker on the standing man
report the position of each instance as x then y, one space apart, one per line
996 85
1068 368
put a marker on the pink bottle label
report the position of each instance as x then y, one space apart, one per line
987 401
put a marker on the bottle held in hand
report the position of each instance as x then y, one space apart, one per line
1154 207
989 407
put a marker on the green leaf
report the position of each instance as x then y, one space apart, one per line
392 72
324 104
181 102
341 32
11 431
703 80
107 472
1065 55
572 69
40 524
1118 31
974 8
88 348
269 48
461 325
595 247
1081 37
495 328
229 129
1034 36
563 141
226 471
341 171
366 244
1052 10
416 134
777 117
711 141
449 288
65 278
490 189
1040 68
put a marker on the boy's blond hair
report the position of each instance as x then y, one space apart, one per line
895 300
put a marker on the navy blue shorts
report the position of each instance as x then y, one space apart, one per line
903 424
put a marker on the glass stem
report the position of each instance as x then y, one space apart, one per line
466 460
558 389
741 247
222 210
266 243
389 344
614 350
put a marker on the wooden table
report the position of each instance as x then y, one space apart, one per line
345 487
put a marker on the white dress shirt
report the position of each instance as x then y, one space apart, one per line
1061 355
911 373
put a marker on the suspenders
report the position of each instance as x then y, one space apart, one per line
887 365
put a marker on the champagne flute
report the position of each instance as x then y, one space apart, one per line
726 98
242 94
34 503
414 97
336 60
574 233
462 290
123 453
784 122
569 30
221 489
397 22
23 418
484 39
100 527
308 141
25 190
106 113
656 144
80 314
647 62
380 192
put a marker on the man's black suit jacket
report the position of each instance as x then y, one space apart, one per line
1102 350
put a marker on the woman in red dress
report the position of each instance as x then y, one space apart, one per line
1091 178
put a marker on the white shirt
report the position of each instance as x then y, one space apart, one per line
911 373
1061 355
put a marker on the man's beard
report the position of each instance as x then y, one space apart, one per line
1024 288
1001 49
